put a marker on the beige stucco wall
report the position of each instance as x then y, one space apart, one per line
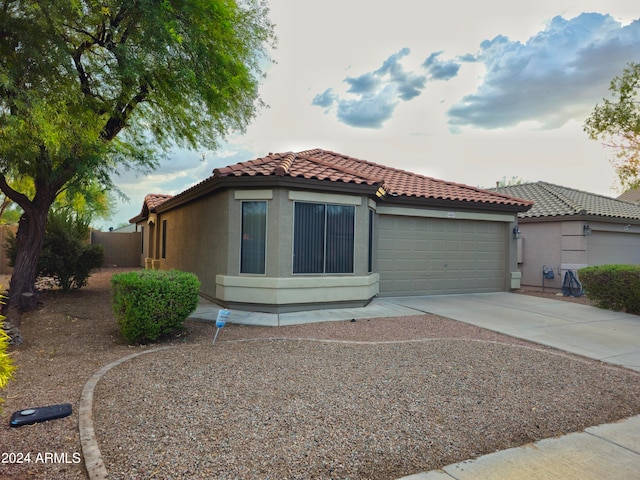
197 238
210 248
541 245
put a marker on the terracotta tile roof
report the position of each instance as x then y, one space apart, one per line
554 200
153 200
149 205
325 165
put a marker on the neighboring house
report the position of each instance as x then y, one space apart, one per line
631 196
304 230
567 229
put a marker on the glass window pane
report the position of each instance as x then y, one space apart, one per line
339 253
254 237
164 239
370 262
308 238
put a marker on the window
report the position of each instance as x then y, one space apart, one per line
254 237
142 239
164 239
323 238
371 217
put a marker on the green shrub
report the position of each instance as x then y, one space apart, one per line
6 364
614 287
65 255
151 303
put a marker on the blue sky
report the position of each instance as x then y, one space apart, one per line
469 92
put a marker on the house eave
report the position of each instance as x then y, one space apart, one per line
443 203
258 181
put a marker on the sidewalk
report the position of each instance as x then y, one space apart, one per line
605 452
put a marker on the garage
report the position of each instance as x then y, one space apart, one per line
429 256
613 247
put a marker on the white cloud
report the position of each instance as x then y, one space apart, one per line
558 75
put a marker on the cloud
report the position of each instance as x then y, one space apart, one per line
440 70
373 96
558 75
324 99
369 111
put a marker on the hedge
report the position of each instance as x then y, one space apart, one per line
151 303
615 287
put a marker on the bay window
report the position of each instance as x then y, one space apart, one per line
323 238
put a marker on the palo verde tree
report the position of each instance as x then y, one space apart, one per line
88 87
616 122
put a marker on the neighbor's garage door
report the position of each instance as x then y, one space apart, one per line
427 256
613 247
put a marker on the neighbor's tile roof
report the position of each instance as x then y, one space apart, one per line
553 201
632 196
325 165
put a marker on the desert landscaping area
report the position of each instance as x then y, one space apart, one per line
372 398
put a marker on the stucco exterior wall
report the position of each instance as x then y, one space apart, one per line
541 245
197 238
204 237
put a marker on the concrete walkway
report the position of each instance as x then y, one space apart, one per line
610 451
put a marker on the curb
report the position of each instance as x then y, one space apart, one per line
90 451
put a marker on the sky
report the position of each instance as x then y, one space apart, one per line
468 92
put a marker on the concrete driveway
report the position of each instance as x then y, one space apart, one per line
612 337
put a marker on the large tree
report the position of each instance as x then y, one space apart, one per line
91 202
616 122
88 87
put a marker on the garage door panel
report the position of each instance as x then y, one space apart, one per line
435 256
613 247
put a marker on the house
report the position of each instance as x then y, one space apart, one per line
145 223
631 196
296 231
567 229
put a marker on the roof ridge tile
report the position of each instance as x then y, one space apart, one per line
340 168
283 167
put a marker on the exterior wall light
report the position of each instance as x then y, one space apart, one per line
586 230
381 192
516 232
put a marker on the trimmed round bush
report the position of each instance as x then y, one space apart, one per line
151 303
614 287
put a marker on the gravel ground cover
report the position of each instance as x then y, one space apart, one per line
371 399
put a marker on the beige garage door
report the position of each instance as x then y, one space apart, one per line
428 256
613 247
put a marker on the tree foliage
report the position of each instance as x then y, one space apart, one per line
66 254
90 87
505 182
92 202
616 122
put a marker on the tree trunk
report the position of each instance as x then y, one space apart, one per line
29 240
